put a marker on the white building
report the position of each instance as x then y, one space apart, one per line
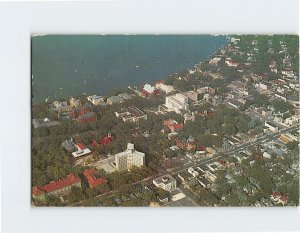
272 127
165 182
128 158
177 102
75 102
96 100
261 86
164 87
131 114
62 106
81 150
149 89
214 61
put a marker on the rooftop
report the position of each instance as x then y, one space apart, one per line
164 179
130 112
56 185
91 179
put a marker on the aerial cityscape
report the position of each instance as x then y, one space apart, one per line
174 121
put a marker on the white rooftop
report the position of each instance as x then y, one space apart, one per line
81 152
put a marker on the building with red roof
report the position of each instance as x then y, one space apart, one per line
149 90
58 187
106 140
82 154
94 143
83 114
80 146
173 125
92 180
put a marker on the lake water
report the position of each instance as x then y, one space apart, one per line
70 65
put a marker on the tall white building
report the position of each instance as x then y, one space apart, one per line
177 102
128 158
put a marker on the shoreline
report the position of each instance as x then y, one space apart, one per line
83 90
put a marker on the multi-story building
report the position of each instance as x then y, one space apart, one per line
177 103
149 90
74 103
163 87
62 106
96 100
57 187
165 182
131 114
192 95
115 100
129 158
83 114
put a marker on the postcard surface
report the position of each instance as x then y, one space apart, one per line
165 120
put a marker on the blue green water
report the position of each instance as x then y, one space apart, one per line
70 65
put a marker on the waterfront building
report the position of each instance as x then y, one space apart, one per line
163 87
62 106
125 96
74 103
128 158
96 100
149 90
115 100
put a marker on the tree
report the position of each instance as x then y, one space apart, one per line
292 145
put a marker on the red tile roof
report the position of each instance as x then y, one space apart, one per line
92 180
55 185
106 140
80 146
202 148
36 191
171 124
94 143
284 198
276 194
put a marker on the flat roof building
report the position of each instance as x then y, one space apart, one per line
166 88
165 182
177 103
192 95
115 100
131 114
44 123
96 100
272 127
125 96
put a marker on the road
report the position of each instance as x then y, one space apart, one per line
176 170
